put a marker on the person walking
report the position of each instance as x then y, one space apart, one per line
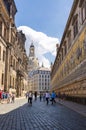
44 96
47 95
53 96
30 95
35 95
0 96
13 97
40 96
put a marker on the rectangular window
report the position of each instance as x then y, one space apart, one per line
11 60
62 53
5 33
13 83
69 39
83 11
10 81
2 82
65 49
0 28
0 52
75 28
3 55
14 64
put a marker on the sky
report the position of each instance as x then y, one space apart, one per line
43 22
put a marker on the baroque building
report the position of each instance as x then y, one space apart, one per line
68 74
32 65
38 77
13 58
41 79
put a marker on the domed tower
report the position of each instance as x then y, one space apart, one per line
33 61
32 50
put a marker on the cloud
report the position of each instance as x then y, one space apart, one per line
43 45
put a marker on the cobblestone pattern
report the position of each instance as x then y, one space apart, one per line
40 116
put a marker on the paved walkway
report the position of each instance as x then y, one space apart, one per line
81 109
39 116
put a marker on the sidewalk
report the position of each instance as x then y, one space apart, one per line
7 107
79 108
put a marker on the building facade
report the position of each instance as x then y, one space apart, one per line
32 65
68 74
41 79
13 58
38 77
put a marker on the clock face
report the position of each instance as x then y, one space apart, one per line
31 51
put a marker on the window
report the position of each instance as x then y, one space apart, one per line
0 28
2 82
65 49
3 55
0 52
5 33
83 11
14 64
62 54
11 60
75 28
13 83
10 81
69 39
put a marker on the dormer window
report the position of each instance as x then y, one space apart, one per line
75 28
69 38
75 25
83 11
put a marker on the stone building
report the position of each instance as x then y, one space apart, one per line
32 64
41 79
13 58
38 77
68 74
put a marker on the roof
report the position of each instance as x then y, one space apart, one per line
43 68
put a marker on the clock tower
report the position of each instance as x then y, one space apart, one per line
32 50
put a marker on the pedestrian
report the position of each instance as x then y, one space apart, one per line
47 95
40 96
53 96
26 94
63 96
0 96
13 97
8 97
30 95
59 96
44 96
3 97
35 95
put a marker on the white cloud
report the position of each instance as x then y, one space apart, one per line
43 44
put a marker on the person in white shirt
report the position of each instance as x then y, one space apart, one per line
47 95
30 95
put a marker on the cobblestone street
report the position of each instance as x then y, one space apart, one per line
39 116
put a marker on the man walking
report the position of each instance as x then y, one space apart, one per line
30 98
53 96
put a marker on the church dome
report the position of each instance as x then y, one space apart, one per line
31 45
